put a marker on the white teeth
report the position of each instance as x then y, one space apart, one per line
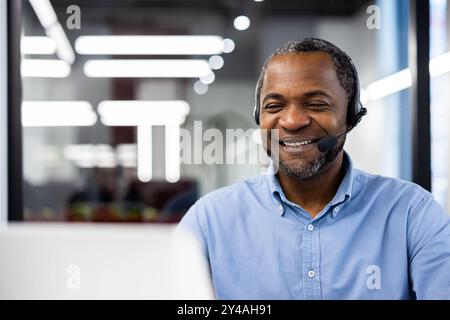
297 144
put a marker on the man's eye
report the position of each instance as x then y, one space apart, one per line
317 105
272 106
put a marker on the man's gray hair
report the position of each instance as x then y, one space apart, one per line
341 60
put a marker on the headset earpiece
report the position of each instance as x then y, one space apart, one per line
256 114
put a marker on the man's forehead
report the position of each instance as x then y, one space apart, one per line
315 69
299 63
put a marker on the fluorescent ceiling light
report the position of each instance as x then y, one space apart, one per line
440 65
64 49
45 12
37 45
136 113
89 155
105 156
44 68
145 153
172 147
79 152
145 114
49 21
144 163
127 154
403 79
389 85
147 68
101 155
149 45
57 113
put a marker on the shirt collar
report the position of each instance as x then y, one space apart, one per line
343 193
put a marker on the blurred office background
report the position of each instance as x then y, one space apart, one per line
79 165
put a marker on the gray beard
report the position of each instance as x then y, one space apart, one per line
302 171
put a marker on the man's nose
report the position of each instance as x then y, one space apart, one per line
294 118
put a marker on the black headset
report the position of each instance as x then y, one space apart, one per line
355 110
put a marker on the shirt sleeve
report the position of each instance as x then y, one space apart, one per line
191 224
429 250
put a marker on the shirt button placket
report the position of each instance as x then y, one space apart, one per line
311 252
280 208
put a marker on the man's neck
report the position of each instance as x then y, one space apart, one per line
315 193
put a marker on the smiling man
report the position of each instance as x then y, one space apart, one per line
319 228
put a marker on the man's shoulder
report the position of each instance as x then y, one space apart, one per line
393 186
228 205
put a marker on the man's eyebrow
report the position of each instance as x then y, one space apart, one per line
313 93
275 96
306 95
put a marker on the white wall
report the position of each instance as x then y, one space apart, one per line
3 113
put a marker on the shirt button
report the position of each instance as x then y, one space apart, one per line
310 227
280 208
311 273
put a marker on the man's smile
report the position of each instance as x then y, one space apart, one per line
298 144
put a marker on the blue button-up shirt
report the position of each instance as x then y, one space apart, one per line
378 238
